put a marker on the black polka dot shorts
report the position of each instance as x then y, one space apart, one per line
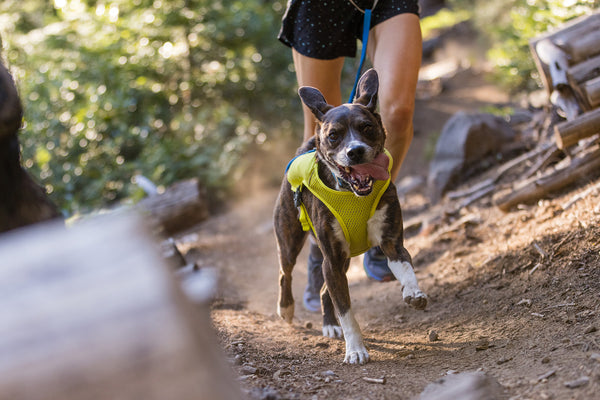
328 29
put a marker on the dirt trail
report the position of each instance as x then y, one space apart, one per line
496 304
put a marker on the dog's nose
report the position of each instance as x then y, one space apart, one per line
356 153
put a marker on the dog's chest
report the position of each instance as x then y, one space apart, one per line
352 212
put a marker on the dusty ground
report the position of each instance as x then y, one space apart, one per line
497 305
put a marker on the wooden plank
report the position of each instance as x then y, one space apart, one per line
569 133
92 312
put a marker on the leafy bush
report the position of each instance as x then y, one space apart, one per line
508 26
167 89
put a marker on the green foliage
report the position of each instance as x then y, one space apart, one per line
169 89
444 18
510 24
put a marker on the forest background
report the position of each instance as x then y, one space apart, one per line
175 89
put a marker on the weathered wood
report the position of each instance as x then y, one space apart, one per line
583 43
539 188
569 133
592 92
584 71
181 206
561 37
92 312
556 60
579 75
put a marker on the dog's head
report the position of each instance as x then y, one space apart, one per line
350 138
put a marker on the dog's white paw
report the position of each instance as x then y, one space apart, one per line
332 331
359 355
415 298
287 313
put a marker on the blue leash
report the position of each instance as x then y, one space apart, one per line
363 53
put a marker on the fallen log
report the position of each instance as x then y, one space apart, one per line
592 92
566 38
92 312
556 180
579 75
569 133
181 206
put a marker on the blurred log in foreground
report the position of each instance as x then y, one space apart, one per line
92 312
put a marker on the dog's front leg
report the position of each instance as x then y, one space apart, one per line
337 286
385 229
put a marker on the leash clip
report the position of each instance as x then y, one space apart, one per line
298 197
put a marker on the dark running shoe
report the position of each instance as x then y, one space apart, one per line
376 266
312 294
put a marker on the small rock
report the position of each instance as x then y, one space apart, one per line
579 382
590 329
280 373
595 356
410 356
545 360
546 375
248 370
503 360
328 379
482 345
524 302
237 360
465 385
433 336
328 373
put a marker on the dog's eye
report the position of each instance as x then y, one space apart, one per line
333 137
366 126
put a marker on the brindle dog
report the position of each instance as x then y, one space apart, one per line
349 143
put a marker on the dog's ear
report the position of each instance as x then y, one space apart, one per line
314 100
366 91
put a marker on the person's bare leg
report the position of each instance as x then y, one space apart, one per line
323 75
395 48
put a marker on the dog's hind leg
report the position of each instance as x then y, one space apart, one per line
331 326
290 240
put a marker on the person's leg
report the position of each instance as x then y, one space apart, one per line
395 48
323 75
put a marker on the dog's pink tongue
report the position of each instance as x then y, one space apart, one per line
377 169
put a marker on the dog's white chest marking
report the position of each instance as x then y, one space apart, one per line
339 235
375 225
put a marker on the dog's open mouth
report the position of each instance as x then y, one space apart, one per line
361 176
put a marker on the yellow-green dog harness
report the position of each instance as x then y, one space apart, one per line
351 211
